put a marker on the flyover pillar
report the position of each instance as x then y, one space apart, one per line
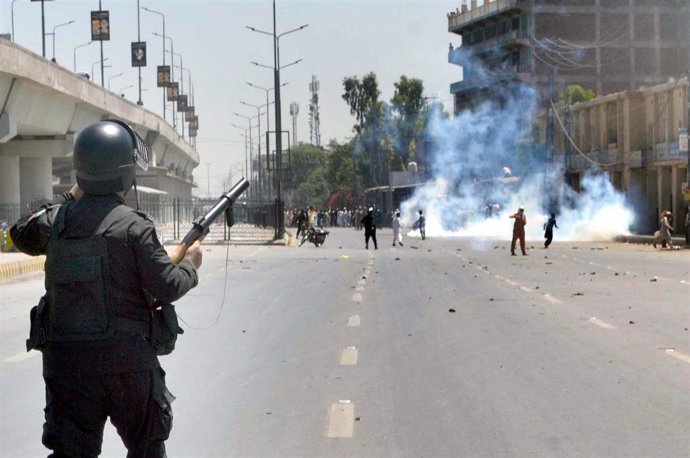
35 180
9 188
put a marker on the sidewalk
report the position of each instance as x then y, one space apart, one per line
14 265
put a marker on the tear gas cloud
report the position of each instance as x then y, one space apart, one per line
467 163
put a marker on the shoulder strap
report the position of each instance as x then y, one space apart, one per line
116 213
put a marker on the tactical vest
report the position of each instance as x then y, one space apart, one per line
81 305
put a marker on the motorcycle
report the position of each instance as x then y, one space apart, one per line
315 235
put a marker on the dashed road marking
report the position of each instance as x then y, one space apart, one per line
359 288
552 299
361 282
602 324
341 420
672 352
349 356
22 356
525 289
357 297
511 282
353 321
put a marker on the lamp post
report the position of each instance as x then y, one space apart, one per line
113 77
179 56
258 148
246 155
172 70
119 91
12 19
268 124
74 68
98 62
280 225
53 34
163 36
250 166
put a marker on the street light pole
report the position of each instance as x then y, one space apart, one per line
258 149
54 35
97 62
172 71
163 36
74 68
250 167
139 102
280 224
100 8
246 155
113 77
12 19
181 83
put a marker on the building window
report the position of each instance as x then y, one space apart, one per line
503 27
490 32
515 23
515 58
478 36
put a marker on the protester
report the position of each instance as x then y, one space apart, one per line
421 224
548 230
369 228
397 232
663 235
519 231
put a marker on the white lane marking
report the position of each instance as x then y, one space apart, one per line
601 324
359 288
511 282
22 356
685 282
357 297
525 289
678 355
361 282
551 299
498 277
341 422
254 252
349 356
353 321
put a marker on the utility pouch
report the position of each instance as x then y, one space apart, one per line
165 329
37 331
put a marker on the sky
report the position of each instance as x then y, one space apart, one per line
343 38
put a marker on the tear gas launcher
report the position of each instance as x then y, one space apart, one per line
201 225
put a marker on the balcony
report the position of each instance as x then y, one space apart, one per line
668 152
459 19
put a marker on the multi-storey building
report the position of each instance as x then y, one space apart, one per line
634 137
604 45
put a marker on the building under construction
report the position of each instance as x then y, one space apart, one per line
604 45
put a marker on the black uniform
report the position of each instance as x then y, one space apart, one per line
116 375
369 230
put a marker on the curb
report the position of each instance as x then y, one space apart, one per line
647 239
13 269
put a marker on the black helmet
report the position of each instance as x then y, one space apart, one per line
105 155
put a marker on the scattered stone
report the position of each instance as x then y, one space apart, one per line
536 287
268 413
409 335
458 249
428 251
615 274
496 247
549 262
631 322
593 273
578 294
414 247
491 299
574 248
365 277
451 310
244 331
358 418
654 279
397 259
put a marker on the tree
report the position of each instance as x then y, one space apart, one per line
362 97
574 94
407 105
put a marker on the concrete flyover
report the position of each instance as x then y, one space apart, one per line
42 108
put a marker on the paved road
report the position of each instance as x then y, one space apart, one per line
579 350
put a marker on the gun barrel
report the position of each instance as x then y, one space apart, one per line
201 226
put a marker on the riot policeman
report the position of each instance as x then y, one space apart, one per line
95 324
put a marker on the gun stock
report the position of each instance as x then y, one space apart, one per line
201 225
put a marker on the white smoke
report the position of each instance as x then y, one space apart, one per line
470 152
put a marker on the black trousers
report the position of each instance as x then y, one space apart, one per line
373 238
138 404
549 239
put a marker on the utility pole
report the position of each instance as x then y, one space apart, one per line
280 224
100 8
549 138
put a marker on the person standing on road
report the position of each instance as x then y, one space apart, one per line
105 266
665 230
369 229
519 231
548 230
397 232
421 224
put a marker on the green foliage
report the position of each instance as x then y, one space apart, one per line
407 107
305 159
362 98
314 191
574 94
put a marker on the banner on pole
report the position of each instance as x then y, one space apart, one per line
163 76
172 91
100 25
138 54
